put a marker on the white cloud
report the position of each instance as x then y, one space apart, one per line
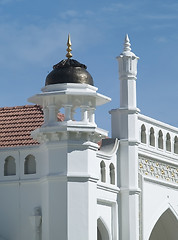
171 6
162 26
36 44
69 14
162 16
89 13
4 2
161 39
118 6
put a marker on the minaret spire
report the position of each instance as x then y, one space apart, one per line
127 75
127 44
69 49
125 128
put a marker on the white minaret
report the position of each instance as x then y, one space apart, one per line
127 75
68 149
124 127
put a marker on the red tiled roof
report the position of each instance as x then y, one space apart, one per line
17 123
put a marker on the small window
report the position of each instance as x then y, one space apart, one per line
30 165
168 142
152 137
112 173
143 134
103 171
176 145
160 140
9 166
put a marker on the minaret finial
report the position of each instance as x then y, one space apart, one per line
127 44
69 49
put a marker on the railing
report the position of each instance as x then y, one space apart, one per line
158 136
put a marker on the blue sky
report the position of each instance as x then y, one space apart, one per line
33 37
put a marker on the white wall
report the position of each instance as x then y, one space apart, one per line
157 197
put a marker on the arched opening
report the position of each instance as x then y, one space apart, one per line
143 134
98 234
103 171
176 145
160 140
102 231
168 142
9 166
166 227
112 173
76 113
152 137
30 165
61 111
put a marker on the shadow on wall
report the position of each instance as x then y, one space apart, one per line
1 238
166 228
102 230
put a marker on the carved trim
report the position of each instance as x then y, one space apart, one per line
158 169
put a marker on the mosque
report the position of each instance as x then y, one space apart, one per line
64 179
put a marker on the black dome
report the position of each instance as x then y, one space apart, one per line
69 71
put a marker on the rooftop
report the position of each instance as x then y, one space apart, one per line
17 123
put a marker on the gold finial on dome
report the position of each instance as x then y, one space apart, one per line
69 49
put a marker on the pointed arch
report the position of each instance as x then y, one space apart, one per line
143 134
152 137
160 139
112 173
9 166
165 226
102 230
103 171
176 145
168 142
30 165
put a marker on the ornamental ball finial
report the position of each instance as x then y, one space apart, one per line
127 44
69 49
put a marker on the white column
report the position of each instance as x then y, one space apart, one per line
72 114
67 112
91 113
46 115
52 114
84 110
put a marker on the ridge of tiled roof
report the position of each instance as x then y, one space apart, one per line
17 123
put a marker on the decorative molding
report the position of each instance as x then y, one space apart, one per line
158 170
131 191
67 132
130 142
108 187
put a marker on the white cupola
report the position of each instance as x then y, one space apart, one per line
69 148
69 86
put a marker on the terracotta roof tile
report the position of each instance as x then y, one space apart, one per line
17 123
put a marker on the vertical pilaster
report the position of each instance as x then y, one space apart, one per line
124 127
